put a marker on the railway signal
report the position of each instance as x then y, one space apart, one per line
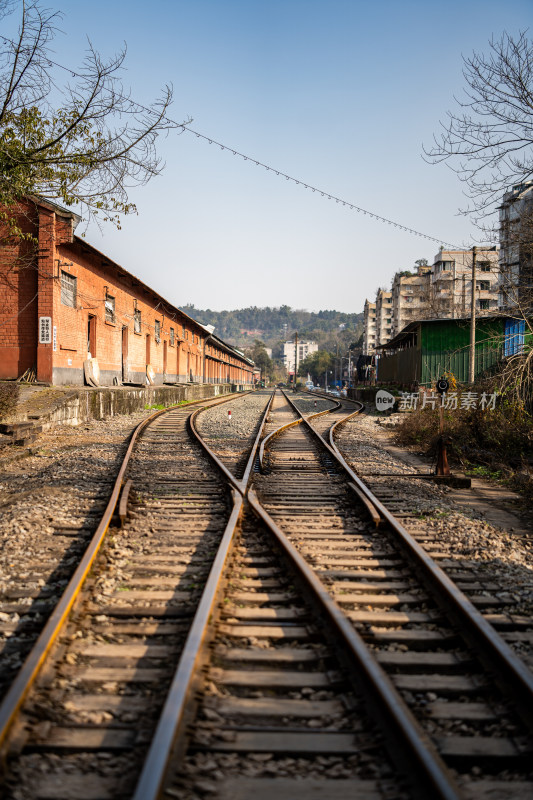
442 457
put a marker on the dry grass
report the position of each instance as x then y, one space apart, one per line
497 443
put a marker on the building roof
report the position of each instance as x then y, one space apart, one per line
412 326
123 273
57 209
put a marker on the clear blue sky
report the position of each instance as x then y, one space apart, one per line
338 93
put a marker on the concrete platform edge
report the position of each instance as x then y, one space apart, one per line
85 403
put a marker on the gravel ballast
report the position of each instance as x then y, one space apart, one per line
502 557
231 438
50 504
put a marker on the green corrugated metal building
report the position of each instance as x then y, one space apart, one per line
425 349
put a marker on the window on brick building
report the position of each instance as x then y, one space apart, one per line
68 289
109 308
137 321
157 330
483 285
484 266
484 304
183 336
172 337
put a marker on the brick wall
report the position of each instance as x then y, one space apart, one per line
96 280
79 320
18 300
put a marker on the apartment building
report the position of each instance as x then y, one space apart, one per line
516 248
377 324
409 297
294 354
383 316
442 290
449 293
369 328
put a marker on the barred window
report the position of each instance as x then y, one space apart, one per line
137 321
172 337
157 330
109 308
68 289
183 337
193 337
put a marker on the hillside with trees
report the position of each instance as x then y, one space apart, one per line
332 330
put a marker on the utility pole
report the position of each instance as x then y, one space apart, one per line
295 357
472 354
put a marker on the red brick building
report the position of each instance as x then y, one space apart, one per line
65 302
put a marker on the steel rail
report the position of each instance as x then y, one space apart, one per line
518 679
287 425
408 734
239 485
29 671
327 396
176 711
270 436
174 715
414 744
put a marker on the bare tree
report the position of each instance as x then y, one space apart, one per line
488 142
516 292
88 148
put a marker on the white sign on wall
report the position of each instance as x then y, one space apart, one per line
55 338
45 330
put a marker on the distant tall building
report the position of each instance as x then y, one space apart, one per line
408 297
369 328
289 353
442 290
516 248
449 293
383 316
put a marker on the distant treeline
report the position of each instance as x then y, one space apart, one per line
274 325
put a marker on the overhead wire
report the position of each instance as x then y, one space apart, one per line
338 200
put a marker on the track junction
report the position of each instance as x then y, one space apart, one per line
253 621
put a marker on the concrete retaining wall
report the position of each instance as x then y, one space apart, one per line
87 403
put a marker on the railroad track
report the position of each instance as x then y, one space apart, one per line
421 628
272 695
364 683
48 520
105 677
501 593
241 745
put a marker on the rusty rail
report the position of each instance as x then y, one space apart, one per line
517 678
35 660
177 709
